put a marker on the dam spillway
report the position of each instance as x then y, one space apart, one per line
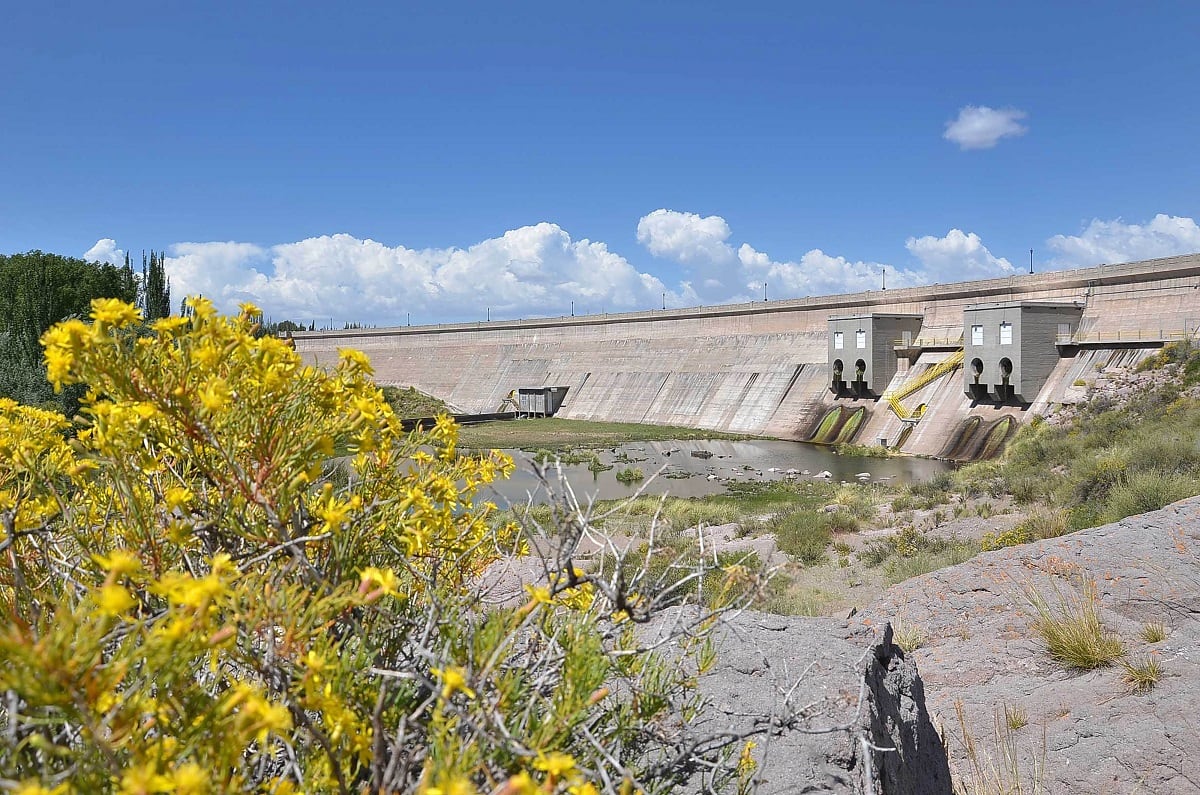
765 367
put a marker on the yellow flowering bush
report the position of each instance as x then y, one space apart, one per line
197 599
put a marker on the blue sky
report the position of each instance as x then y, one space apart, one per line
441 159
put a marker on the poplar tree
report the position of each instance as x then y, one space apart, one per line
156 287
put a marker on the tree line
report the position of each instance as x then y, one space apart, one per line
38 289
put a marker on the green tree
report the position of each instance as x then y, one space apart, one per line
37 290
156 287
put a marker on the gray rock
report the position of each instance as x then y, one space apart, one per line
980 650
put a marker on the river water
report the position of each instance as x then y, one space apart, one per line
678 473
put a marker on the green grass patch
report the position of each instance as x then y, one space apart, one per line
555 434
803 534
911 553
409 402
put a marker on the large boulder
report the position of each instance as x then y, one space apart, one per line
1086 731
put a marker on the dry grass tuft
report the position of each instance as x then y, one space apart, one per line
1142 675
1008 774
1015 716
1153 632
1073 633
909 637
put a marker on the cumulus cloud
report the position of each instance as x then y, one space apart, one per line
1116 241
686 237
738 274
534 270
105 250
981 127
818 273
956 257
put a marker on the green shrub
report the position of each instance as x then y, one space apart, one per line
1009 538
861 501
911 553
630 475
595 465
908 636
843 522
805 535
899 569
1016 717
1148 491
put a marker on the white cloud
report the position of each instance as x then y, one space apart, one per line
1116 241
534 270
686 237
817 273
958 256
105 250
981 127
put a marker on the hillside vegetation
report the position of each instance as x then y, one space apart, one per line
1111 460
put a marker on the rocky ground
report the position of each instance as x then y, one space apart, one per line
1086 731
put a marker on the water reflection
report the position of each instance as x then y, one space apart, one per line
682 474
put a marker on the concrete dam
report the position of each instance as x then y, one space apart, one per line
946 370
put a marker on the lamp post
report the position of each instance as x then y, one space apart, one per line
572 309
664 300
764 291
1030 262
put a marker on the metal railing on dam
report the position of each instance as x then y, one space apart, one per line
1127 335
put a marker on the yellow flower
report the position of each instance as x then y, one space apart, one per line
539 594
35 788
114 312
378 579
453 784
177 497
201 307
119 562
215 394
170 326
189 779
453 681
355 360
113 600
555 763
586 788
188 591
58 364
143 779
250 310
520 784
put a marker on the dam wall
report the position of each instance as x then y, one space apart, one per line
762 367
